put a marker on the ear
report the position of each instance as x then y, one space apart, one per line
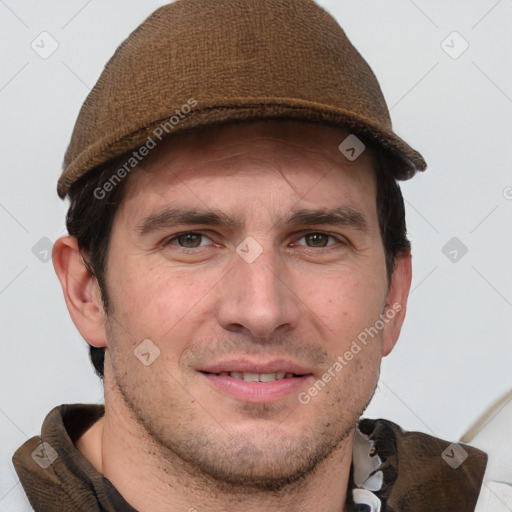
81 291
396 302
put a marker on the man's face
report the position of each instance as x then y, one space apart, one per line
249 292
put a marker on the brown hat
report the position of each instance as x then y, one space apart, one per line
196 63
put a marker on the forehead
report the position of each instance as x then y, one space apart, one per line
279 157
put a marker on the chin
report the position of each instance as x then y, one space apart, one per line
260 459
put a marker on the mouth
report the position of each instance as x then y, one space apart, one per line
257 383
256 377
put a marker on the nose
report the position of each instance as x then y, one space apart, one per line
257 298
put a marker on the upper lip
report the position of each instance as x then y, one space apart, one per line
246 366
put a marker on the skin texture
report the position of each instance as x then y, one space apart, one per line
171 437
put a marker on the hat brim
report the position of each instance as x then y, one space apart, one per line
406 160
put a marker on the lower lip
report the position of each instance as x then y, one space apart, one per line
257 392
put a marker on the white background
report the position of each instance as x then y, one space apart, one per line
454 356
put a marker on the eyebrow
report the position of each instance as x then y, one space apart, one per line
339 216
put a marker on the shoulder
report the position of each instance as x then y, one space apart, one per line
416 471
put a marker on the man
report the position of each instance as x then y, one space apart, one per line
237 260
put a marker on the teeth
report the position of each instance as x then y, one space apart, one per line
257 377
267 377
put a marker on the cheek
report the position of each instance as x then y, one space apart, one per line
346 304
161 303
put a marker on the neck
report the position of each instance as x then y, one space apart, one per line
151 477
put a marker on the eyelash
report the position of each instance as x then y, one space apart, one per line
338 238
